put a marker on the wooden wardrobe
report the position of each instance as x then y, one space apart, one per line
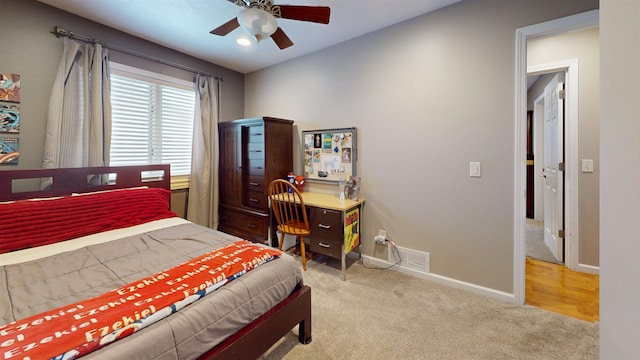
253 152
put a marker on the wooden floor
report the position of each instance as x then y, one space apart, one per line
555 288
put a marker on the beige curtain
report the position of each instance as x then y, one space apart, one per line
78 129
203 183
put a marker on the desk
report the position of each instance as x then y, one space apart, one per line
335 225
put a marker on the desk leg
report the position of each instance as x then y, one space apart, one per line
344 265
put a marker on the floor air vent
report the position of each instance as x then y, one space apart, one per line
410 259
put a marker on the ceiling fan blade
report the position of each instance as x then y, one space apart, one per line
281 39
317 14
226 28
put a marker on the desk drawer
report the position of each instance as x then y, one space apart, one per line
330 248
326 224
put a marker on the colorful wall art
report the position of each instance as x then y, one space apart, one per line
9 87
9 117
9 151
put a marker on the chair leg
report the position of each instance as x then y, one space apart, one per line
302 252
280 240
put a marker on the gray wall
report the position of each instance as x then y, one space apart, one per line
619 179
428 96
585 46
406 191
30 50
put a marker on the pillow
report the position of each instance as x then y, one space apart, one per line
25 224
104 191
32 199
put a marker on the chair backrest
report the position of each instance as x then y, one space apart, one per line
287 204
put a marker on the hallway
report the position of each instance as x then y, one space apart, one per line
535 246
555 288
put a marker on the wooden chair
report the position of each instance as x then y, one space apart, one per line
290 213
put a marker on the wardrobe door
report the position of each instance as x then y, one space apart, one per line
230 165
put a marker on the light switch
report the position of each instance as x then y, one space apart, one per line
587 165
475 169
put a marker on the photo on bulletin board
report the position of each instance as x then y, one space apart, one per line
329 154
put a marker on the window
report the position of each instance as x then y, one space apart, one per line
152 119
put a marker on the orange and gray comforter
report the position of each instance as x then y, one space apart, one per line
135 283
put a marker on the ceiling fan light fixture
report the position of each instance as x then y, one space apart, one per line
244 41
258 23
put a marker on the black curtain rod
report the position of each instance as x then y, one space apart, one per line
58 31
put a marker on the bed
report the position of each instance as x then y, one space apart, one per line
109 229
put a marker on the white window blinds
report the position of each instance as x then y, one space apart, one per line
152 119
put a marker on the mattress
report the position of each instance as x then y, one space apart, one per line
52 276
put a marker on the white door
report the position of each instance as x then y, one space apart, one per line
554 177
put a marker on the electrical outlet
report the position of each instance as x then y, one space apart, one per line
381 238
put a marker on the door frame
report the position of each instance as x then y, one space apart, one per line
574 22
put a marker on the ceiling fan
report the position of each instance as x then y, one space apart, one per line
259 19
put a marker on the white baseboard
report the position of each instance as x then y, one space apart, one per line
589 269
473 288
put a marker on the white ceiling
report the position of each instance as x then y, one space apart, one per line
184 25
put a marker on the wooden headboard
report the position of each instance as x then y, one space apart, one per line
25 184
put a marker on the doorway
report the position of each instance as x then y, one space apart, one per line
559 26
545 182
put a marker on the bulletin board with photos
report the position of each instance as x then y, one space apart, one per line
329 153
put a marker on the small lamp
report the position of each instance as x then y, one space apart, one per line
258 23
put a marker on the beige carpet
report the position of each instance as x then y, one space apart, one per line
388 315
